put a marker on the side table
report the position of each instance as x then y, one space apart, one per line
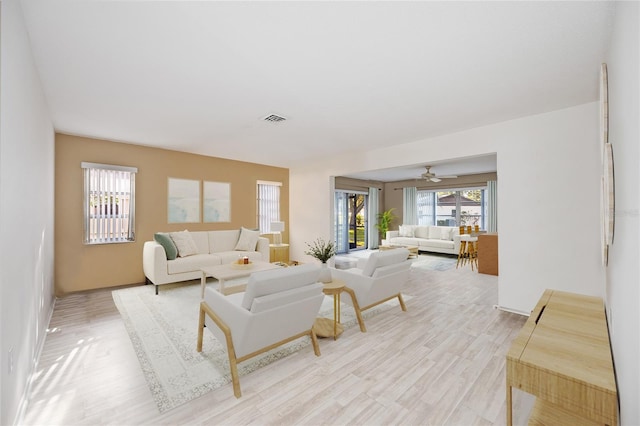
325 327
279 253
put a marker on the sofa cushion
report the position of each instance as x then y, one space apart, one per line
184 243
275 300
166 242
277 280
248 240
192 263
404 241
201 240
446 244
445 234
421 232
220 241
406 230
379 259
435 232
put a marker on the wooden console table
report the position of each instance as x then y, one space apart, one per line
563 356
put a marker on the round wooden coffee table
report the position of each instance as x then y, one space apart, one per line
325 327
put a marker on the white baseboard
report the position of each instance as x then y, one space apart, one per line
24 399
513 311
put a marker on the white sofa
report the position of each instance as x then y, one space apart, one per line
212 248
438 239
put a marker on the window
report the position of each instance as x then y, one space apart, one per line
426 207
350 220
268 205
109 203
452 208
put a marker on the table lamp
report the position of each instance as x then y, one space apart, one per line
277 228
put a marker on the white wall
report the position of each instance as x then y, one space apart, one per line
623 275
26 212
549 162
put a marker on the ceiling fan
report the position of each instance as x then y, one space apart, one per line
432 176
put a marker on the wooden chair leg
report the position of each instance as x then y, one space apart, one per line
235 379
473 255
356 308
233 363
314 342
402 305
200 329
461 253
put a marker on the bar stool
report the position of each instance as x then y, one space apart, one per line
475 246
463 248
472 251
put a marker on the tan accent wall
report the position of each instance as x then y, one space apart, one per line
84 267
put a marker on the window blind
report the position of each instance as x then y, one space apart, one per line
268 205
109 203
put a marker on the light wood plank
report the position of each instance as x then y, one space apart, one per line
439 363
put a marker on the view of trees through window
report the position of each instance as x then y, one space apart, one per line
452 208
351 226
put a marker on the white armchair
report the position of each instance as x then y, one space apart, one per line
376 280
278 306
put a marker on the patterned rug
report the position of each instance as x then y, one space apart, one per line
164 329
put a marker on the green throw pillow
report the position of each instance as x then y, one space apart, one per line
169 247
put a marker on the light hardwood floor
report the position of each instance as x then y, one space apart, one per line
441 362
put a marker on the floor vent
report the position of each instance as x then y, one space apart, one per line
273 118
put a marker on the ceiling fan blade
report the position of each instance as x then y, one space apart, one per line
434 179
448 177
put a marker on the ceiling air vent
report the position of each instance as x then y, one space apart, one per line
273 118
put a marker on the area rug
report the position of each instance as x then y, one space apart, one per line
164 329
434 263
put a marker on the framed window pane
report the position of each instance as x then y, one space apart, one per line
109 203
268 205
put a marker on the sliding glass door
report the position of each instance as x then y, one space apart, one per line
350 221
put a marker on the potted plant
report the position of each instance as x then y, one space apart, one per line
384 220
323 251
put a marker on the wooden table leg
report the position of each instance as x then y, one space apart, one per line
203 284
336 314
509 407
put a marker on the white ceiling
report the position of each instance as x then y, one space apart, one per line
200 76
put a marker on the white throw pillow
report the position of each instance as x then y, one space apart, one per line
184 243
248 240
405 231
446 234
